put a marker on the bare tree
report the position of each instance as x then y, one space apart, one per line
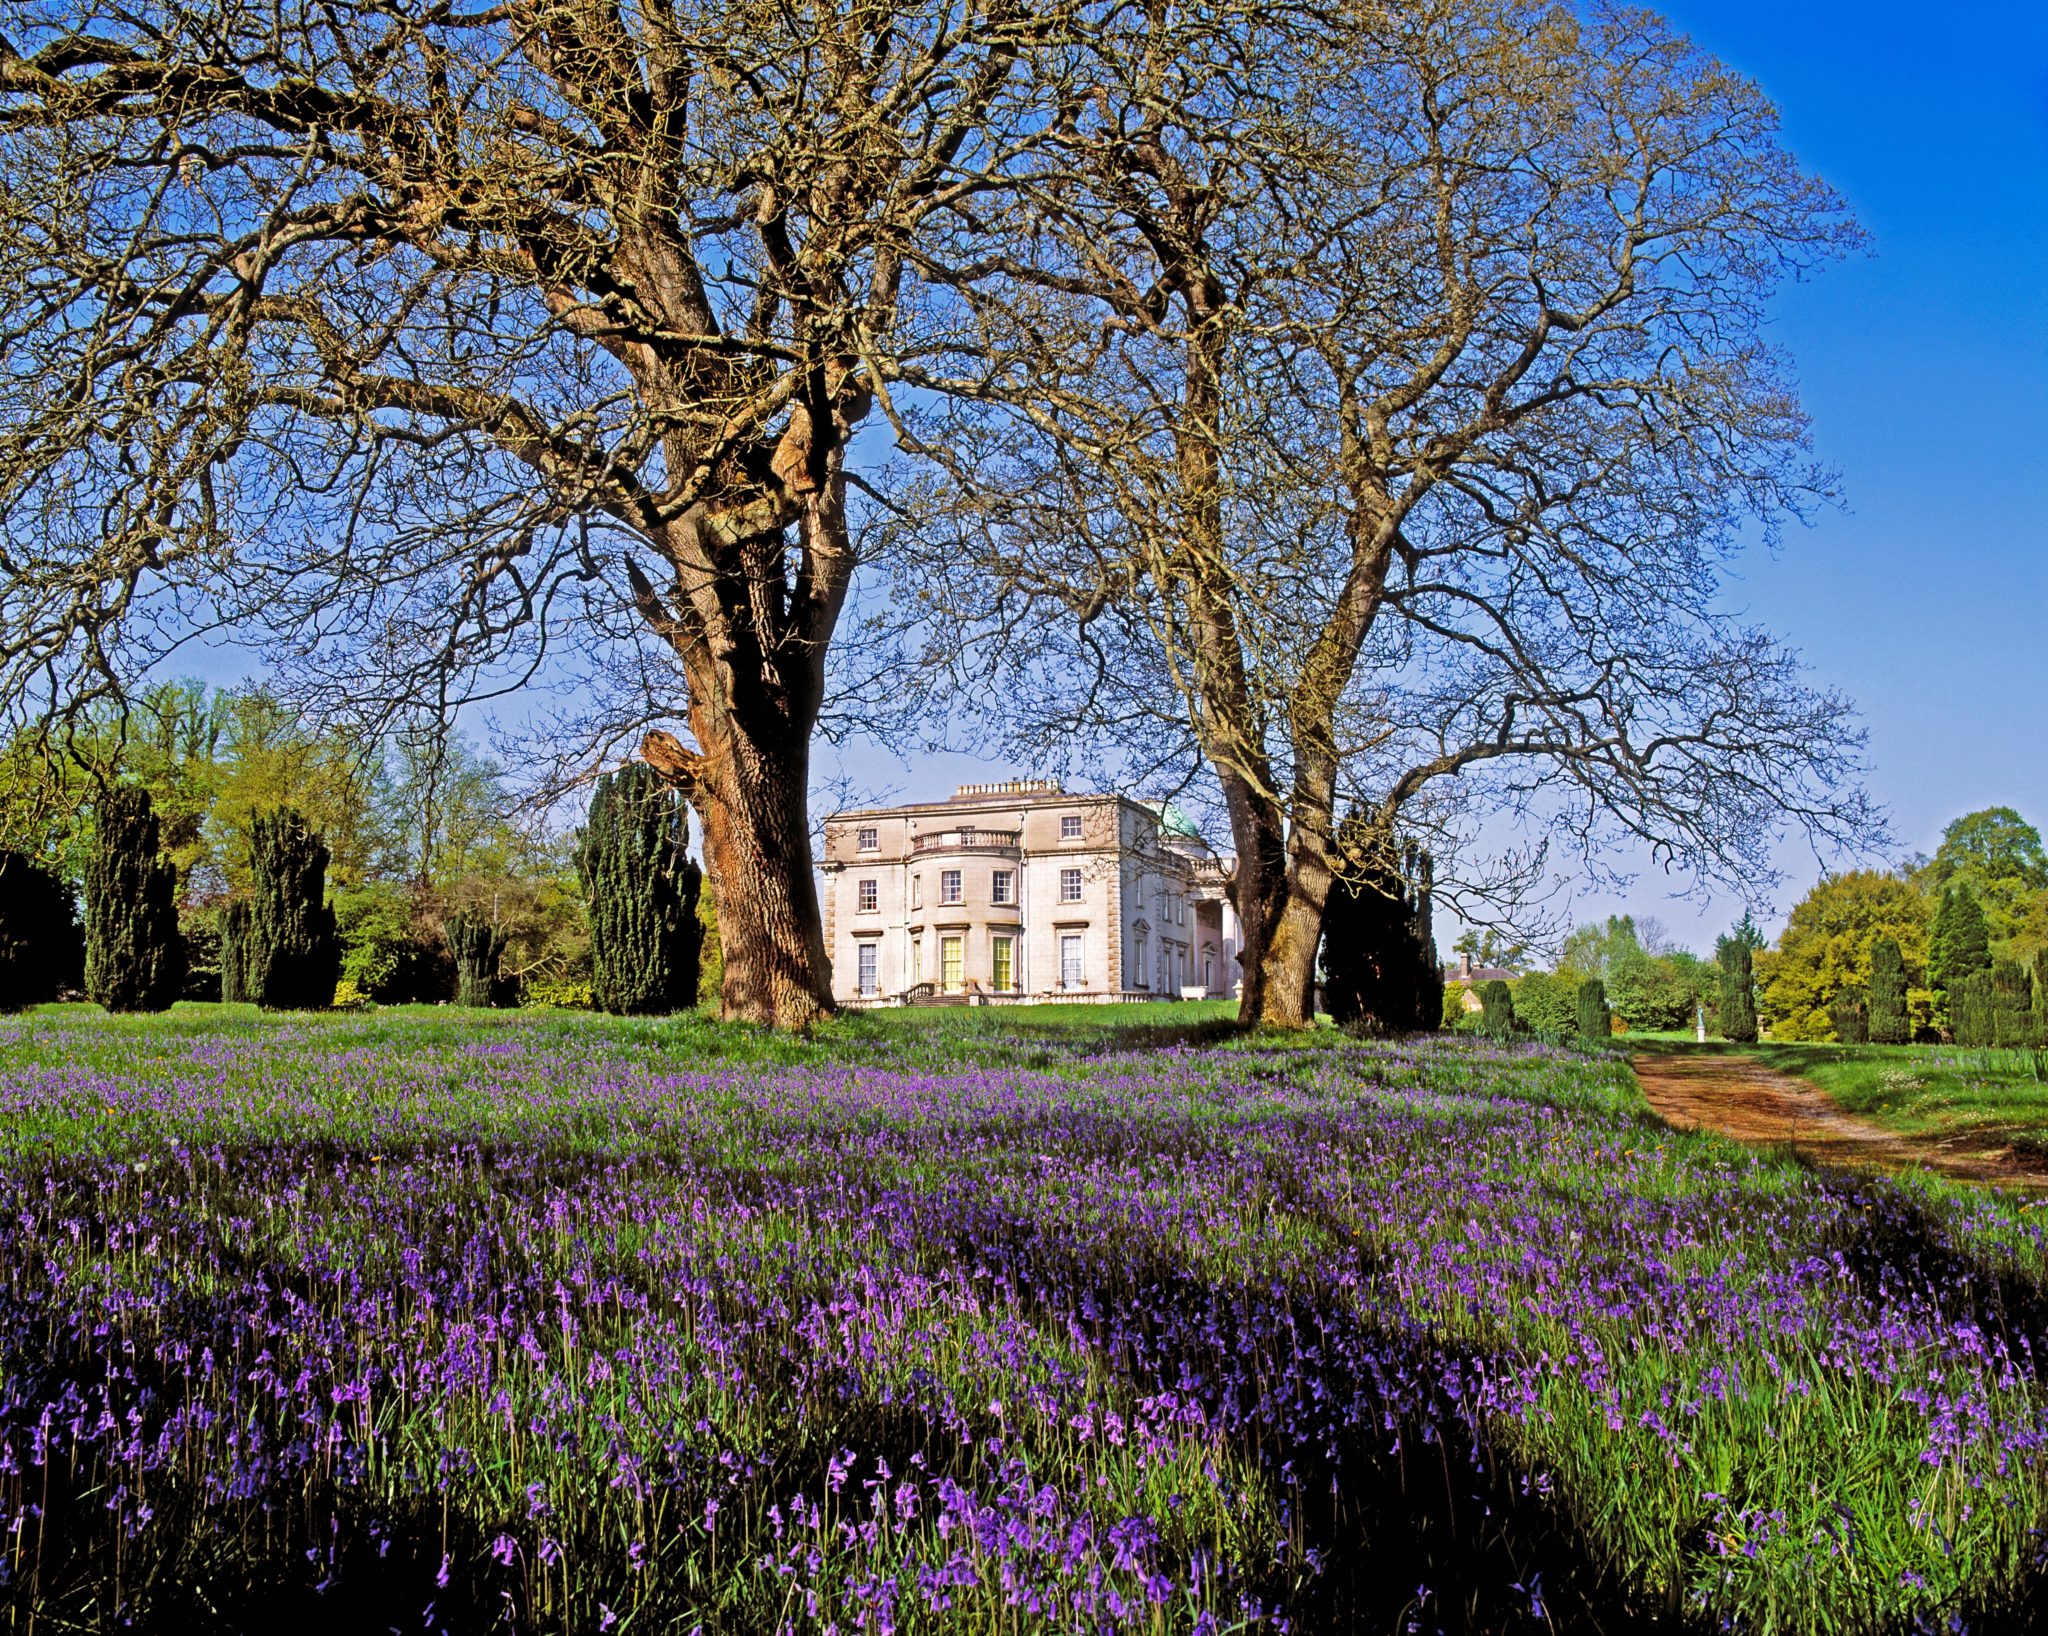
1400 374
427 342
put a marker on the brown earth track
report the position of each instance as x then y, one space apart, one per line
1738 1096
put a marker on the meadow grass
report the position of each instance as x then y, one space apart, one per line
973 1320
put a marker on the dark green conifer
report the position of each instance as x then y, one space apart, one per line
235 937
42 948
293 955
1889 1023
1497 1008
134 957
1380 970
642 889
1958 946
1738 991
1850 1015
1596 1020
477 946
1971 1010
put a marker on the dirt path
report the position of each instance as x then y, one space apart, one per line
1739 1097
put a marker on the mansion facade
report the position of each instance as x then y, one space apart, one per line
1021 891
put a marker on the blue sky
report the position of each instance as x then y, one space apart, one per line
1925 367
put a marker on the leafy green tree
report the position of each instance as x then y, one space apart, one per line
642 890
1998 857
1959 945
42 948
1649 992
1738 990
477 946
294 952
1546 1002
392 950
1890 1023
1488 946
1596 1021
134 957
1826 947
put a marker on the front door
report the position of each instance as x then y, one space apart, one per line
1070 961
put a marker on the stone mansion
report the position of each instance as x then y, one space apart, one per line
1021 891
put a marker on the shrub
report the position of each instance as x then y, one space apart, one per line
477 946
1738 992
1546 1003
1496 1009
643 888
1851 1016
294 954
391 950
1889 1022
134 957
1596 1021
42 949
1454 1013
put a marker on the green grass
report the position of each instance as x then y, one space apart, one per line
1987 1098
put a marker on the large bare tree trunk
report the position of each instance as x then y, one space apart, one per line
752 800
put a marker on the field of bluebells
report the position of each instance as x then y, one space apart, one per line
433 1321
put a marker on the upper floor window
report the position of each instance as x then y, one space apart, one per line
868 839
949 886
870 897
1000 887
917 891
1070 826
1070 886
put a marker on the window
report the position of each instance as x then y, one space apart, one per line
917 891
1209 970
870 960
999 887
1070 886
949 886
917 960
1138 964
868 839
1070 826
1070 961
870 897
951 976
1002 963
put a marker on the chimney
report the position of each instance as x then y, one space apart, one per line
1464 968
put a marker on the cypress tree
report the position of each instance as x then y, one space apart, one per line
234 953
1380 971
1889 1023
1851 1016
2012 1012
134 957
294 956
42 949
2040 997
1497 1008
1959 946
1596 1021
1738 992
477 946
1971 1010
642 888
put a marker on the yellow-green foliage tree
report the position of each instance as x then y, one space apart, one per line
1826 948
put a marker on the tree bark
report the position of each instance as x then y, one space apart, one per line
751 796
